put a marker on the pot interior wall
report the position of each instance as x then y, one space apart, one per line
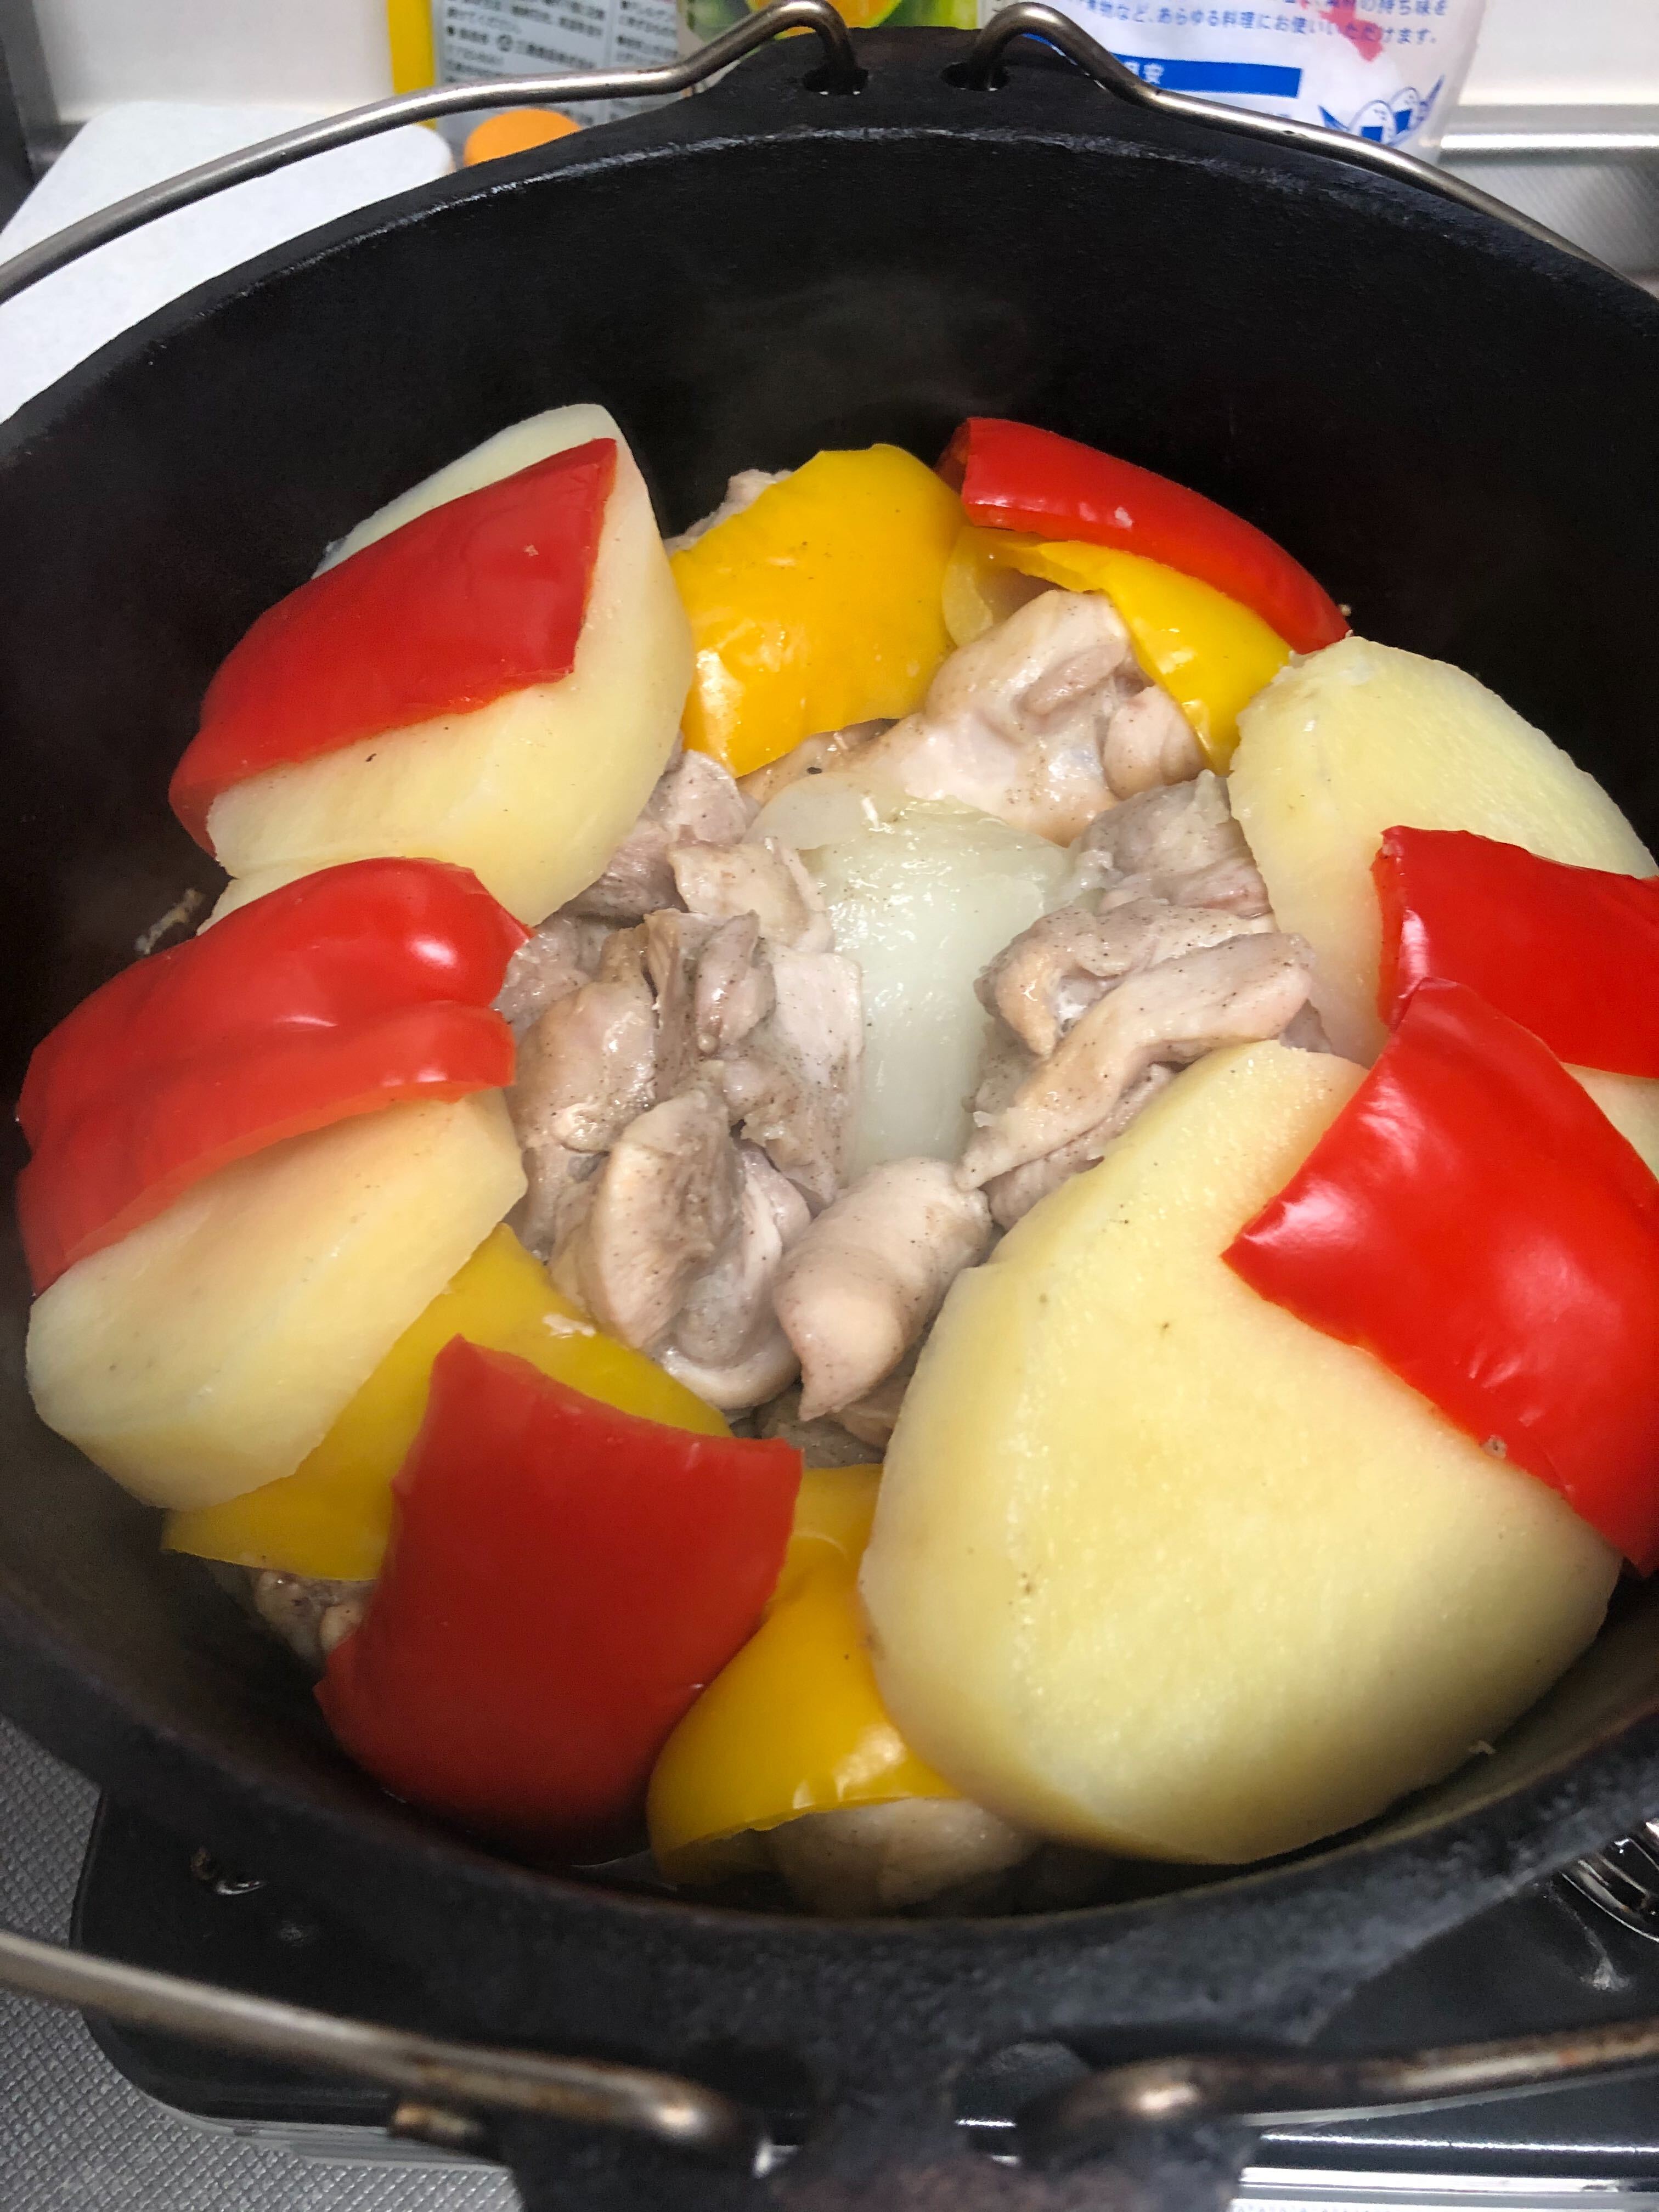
1455 434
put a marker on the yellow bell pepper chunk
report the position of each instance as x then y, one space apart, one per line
794 1723
1211 654
819 606
331 1516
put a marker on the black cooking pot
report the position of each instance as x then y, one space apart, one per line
1451 424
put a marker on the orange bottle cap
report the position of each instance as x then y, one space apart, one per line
514 131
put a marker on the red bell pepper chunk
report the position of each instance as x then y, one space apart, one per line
1572 954
1473 1218
477 597
1013 477
357 987
562 1580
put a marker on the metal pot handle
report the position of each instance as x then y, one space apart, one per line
443 2085
1092 2117
1032 19
839 73
1147 2115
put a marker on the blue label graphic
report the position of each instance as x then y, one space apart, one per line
1259 78
1386 122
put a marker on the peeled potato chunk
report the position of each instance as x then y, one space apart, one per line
207 1353
534 792
1360 737
1157 1567
519 446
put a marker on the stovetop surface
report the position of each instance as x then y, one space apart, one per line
75 2136
1549 1959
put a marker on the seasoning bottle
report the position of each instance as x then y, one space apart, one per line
703 19
1389 71
448 41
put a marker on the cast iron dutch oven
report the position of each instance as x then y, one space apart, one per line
1452 424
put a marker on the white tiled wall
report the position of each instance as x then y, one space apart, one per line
304 54
320 54
1591 50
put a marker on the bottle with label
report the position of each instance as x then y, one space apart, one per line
448 41
1389 71
703 19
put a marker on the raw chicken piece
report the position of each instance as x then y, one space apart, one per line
695 797
766 879
745 1029
794 1082
734 991
741 1384
677 1248
562 1191
586 1068
664 1204
1182 845
863 1859
310 1614
673 942
862 1284
712 986
832 748
742 491
1237 993
1006 1065
1149 743
725 1344
1051 974
1019 723
554 961
1159 879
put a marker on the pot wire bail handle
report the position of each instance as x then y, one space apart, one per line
442 2083
1034 18
1091 2118
839 73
